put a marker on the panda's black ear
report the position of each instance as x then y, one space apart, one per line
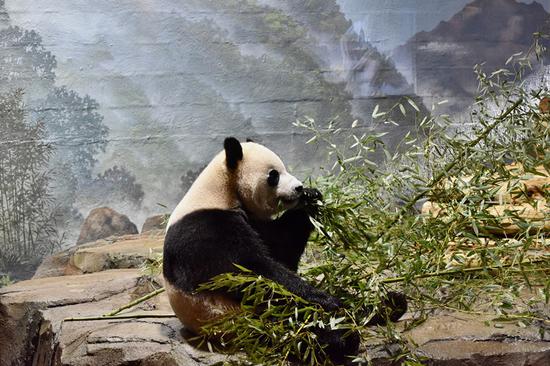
233 152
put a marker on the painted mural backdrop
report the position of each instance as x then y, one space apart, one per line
120 103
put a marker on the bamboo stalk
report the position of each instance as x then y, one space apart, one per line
465 270
113 314
129 316
511 317
135 302
447 169
504 317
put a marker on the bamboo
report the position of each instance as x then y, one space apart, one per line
129 316
466 270
113 314
447 169
135 302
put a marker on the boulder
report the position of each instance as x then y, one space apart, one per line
56 265
467 252
157 222
41 325
39 309
123 252
7 335
455 339
104 222
469 339
38 325
116 252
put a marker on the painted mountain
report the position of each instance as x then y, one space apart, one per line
439 62
133 105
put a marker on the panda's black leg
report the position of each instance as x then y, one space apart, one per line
392 308
339 343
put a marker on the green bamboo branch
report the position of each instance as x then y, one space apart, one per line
113 314
465 270
134 303
437 179
503 317
512 317
129 316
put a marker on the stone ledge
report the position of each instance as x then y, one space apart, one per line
117 252
36 309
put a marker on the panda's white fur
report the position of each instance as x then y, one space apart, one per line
218 188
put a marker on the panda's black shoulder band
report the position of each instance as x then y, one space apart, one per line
233 152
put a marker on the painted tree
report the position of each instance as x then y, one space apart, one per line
75 128
3 14
27 225
116 188
70 122
119 184
25 63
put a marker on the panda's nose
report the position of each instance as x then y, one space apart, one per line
299 189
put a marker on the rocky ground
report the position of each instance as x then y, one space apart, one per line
97 277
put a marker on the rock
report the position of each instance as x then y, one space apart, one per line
463 339
157 222
129 251
38 309
57 265
453 339
34 329
536 214
104 222
27 304
467 252
7 335
123 252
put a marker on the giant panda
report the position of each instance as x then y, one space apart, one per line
226 218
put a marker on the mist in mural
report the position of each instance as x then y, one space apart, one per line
120 104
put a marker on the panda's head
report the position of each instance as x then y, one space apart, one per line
263 185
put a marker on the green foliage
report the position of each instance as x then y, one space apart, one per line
152 266
274 325
371 237
5 280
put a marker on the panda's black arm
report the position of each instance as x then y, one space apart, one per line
286 237
277 272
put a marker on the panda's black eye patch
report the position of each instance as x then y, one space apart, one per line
273 178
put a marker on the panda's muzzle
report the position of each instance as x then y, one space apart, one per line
292 200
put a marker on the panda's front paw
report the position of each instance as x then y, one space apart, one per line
311 196
311 200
